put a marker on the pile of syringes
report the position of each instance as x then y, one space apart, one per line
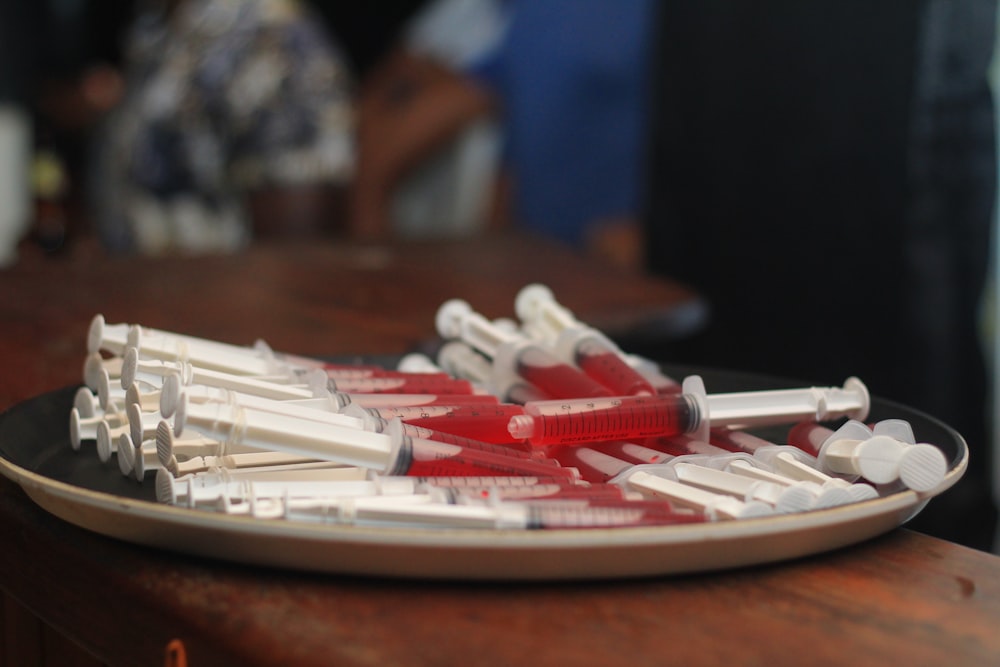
533 422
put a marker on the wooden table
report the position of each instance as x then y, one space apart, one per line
903 597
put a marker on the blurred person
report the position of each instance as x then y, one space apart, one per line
235 125
565 81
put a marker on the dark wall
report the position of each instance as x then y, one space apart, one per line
823 172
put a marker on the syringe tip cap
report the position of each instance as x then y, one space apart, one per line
521 427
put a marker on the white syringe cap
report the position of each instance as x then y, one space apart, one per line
878 458
126 454
170 395
106 444
849 430
448 320
75 434
165 492
84 402
922 467
530 299
92 368
536 304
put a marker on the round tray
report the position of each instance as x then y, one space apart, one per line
75 486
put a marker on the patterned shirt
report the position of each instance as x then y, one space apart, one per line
222 97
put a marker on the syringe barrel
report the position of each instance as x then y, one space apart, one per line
487 423
599 419
545 370
245 426
428 458
601 360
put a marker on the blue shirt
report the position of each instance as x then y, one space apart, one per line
571 76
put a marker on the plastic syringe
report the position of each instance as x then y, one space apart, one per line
399 400
196 375
461 360
634 417
881 455
487 423
580 344
414 383
415 511
386 453
786 462
657 481
693 470
379 425
515 353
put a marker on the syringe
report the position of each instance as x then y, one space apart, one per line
514 353
634 417
695 470
577 343
631 451
461 360
415 383
486 423
386 453
195 375
791 462
881 455
379 425
425 512
399 400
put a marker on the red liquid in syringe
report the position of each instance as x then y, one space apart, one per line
809 437
604 419
608 368
555 378
487 423
400 400
427 458
520 450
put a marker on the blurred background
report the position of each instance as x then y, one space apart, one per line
823 173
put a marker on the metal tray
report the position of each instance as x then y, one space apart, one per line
76 487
